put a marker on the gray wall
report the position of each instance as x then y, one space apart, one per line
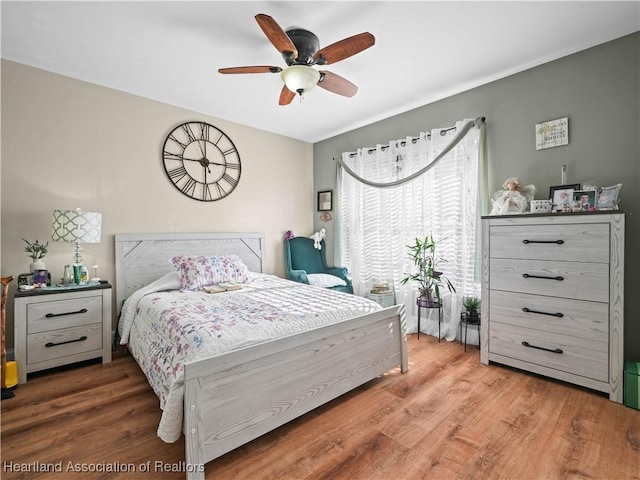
598 89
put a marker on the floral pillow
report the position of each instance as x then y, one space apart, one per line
200 271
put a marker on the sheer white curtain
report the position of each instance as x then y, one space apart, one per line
377 224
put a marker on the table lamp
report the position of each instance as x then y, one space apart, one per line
78 227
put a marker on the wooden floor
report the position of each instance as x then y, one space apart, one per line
448 417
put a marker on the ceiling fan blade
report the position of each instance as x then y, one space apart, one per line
276 35
286 96
344 48
336 84
253 69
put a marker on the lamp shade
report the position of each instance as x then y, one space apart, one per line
300 78
76 226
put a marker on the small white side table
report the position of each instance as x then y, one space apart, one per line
59 327
383 299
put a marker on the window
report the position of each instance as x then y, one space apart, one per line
377 224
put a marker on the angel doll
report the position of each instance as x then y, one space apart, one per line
514 198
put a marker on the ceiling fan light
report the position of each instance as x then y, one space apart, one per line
300 78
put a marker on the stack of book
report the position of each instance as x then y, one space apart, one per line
380 288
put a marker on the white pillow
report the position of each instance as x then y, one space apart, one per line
325 280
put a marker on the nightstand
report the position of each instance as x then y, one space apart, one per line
59 327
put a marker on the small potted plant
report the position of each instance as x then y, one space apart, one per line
36 251
471 305
430 280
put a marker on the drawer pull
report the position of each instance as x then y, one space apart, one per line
50 315
559 278
527 310
51 344
555 350
527 242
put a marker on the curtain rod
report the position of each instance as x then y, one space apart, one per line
443 132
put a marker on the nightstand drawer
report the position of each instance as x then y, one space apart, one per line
42 347
42 317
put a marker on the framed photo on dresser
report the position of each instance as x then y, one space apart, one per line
561 196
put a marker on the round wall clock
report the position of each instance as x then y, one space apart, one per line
201 161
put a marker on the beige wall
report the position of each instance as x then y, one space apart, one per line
68 144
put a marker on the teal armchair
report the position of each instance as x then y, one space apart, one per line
302 258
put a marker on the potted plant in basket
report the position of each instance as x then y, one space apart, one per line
471 305
36 251
430 280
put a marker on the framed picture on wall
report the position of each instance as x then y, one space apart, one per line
561 196
325 201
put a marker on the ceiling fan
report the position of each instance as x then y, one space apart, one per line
301 51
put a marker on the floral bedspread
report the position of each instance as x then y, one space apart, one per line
166 329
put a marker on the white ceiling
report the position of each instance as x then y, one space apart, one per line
424 51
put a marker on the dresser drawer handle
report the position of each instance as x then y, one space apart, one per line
555 350
559 278
527 310
51 344
527 242
50 315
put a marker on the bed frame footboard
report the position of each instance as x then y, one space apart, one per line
234 398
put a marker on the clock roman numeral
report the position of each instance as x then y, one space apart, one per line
205 132
189 187
221 191
206 193
229 151
232 181
219 138
187 129
172 156
183 145
177 173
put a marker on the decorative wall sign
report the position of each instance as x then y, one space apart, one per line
553 133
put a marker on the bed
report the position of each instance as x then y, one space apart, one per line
294 373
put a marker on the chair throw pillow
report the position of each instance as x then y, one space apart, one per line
325 280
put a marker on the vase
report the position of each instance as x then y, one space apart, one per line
36 265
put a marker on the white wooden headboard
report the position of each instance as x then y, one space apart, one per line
144 257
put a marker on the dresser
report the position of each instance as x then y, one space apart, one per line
59 327
553 296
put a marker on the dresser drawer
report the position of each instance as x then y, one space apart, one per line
579 356
577 280
563 316
579 242
63 313
64 342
